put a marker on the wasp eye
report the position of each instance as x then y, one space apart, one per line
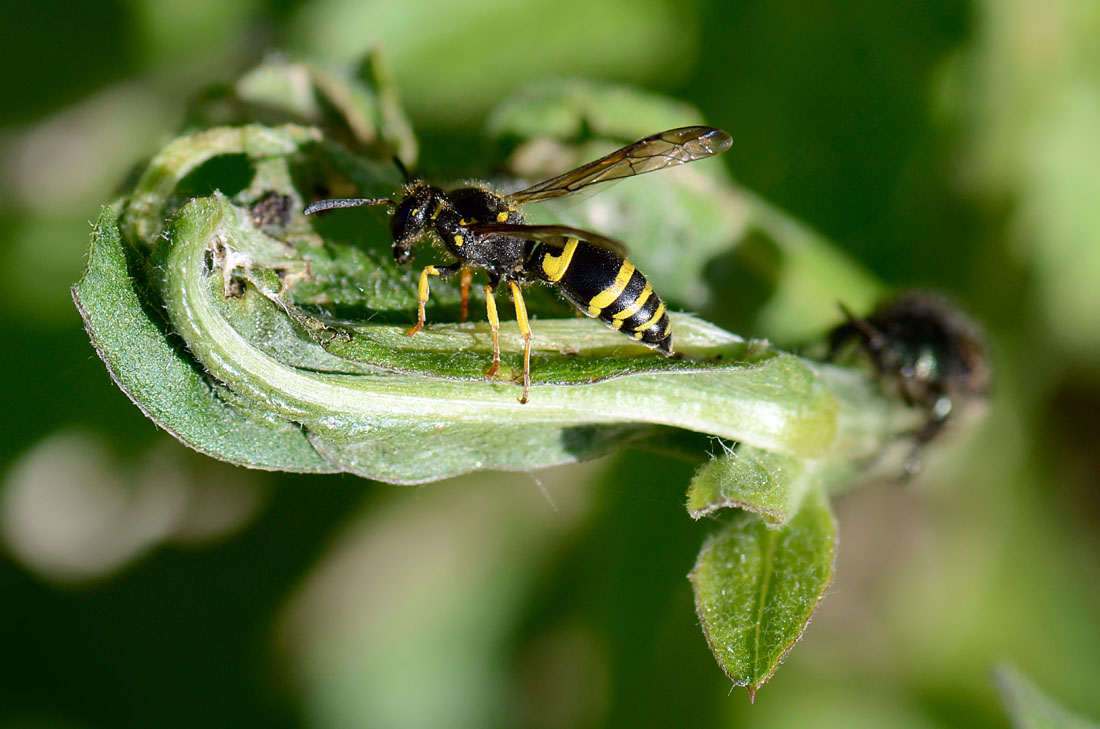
407 221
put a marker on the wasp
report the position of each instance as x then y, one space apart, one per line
485 230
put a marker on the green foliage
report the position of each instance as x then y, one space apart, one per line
944 145
147 364
756 586
762 482
281 343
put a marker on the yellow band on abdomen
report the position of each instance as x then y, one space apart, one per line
637 305
653 319
555 266
607 297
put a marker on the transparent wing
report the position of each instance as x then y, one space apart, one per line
666 149
553 235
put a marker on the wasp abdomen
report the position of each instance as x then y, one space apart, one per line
608 287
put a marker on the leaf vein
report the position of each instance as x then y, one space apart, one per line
765 583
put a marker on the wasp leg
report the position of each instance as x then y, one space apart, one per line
464 309
422 291
494 324
525 330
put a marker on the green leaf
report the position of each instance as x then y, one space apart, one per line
756 587
360 110
1030 708
429 392
145 362
155 194
769 484
773 484
301 323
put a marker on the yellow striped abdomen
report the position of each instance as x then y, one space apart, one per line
608 287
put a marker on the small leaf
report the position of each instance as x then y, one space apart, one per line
1030 708
757 586
765 483
361 109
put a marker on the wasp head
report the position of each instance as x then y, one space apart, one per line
411 218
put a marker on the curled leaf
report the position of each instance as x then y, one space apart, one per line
251 291
146 363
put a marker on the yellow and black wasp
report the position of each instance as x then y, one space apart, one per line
485 230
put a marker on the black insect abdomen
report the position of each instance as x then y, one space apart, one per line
605 286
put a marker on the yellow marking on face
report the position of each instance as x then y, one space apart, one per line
653 319
463 221
555 266
459 240
438 209
502 217
637 305
607 297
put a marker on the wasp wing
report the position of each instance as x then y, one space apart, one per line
552 235
666 149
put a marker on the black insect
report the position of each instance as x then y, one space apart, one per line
485 230
925 349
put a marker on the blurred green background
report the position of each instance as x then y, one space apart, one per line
941 144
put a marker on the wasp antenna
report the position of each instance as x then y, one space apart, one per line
346 202
402 168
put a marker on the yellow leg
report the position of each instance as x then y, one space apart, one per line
494 324
464 310
525 330
422 298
